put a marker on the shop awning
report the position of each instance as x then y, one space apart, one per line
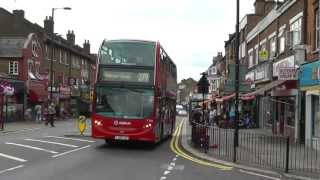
225 98
266 88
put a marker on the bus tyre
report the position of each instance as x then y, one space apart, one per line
108 141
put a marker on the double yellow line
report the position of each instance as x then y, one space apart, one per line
174 145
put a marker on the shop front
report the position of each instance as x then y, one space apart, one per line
310 85
285 97
13 104
64 100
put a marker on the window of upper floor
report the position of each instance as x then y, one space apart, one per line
282 39
295 30
272 45
13 67
317 29
256 55
250 55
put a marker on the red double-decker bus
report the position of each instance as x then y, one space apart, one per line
135 92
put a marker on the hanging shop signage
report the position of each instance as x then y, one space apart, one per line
310 76
249 78
284 63
287 73
262 72
64 92
263 55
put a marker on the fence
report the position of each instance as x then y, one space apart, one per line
269 151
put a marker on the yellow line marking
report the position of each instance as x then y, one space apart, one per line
176 149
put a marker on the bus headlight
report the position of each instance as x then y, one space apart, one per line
149 125
97 123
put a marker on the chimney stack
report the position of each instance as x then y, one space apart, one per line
86 46
18 13
48 25
259 6
71 37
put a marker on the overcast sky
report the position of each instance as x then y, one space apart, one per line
191 31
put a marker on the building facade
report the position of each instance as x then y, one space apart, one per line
72 65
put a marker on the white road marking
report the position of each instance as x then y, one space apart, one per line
23 130
166 172
172 164
74 139
174 159
170 168
12 157
57 155
11 169
261 175
32 147
52 142
163 178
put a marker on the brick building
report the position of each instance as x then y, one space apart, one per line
274 52
72 65
309 75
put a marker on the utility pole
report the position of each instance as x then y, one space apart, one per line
236 85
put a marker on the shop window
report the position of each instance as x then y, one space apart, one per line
289 113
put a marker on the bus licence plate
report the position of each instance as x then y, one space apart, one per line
121 138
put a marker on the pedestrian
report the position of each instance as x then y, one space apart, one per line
212 116
38 110
52 113
57 109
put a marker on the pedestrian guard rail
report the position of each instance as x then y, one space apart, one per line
268 151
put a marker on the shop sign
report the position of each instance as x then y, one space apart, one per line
263 55
249 77
285 63
316 73
287 73
310 74
260 74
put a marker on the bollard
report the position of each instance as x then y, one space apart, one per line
82 124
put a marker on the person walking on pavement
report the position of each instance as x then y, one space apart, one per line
38 110
52 112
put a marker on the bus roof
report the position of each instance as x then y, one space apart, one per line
129 40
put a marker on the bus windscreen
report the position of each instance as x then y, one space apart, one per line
127 103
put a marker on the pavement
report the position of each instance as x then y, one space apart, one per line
186 145
60 153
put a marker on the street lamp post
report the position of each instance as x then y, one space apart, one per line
203 87
236 133
52 50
